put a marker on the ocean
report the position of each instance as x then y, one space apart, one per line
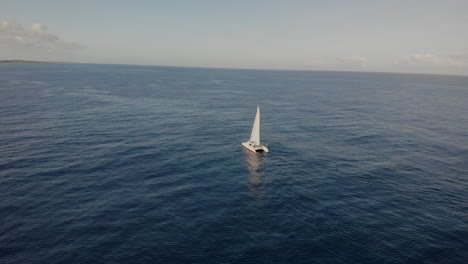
144 164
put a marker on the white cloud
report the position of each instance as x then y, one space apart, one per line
14 35
453 60
459 56
8 27
38 28
356 60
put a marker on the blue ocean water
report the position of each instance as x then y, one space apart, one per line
143 164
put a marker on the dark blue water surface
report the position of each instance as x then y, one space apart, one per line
142 164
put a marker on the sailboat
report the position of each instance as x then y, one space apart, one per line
254 144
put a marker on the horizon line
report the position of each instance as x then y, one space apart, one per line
16 61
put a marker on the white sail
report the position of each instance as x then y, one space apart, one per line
255 136
254 144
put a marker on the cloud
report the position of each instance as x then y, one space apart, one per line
452 60
36 37
38 28
459 56
356 60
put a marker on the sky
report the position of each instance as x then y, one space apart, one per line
412 36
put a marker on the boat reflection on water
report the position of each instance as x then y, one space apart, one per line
256 181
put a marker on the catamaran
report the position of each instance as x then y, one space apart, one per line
254 144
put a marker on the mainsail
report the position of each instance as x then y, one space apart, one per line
255 136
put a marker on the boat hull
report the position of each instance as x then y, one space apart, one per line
254 148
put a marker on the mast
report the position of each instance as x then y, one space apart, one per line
255 136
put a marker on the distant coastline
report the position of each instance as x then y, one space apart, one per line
24 61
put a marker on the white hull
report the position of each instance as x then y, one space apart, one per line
254 148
